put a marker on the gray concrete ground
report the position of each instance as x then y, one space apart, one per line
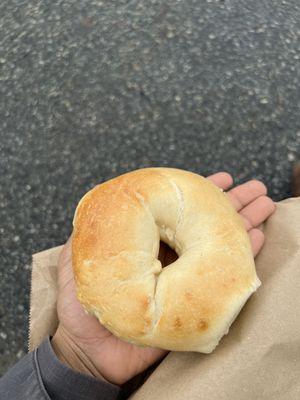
91 89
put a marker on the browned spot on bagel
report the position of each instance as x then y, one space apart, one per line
229 283
145 302
189 296
177 323
202 325
147 321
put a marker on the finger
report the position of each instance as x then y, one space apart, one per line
257 239
242 195
65 254
257 212
65 271
221 179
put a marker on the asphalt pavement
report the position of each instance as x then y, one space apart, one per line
92 89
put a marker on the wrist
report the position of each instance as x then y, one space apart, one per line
70 354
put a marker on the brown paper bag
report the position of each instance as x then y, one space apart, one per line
260 356
43 317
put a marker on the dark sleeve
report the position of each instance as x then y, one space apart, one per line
41 376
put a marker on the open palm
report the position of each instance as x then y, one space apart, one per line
101 353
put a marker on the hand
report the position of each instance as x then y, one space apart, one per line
87 346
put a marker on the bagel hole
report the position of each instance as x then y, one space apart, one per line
166 254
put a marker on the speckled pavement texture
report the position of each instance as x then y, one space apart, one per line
91 89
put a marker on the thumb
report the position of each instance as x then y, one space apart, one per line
65 270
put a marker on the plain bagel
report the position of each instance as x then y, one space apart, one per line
186 306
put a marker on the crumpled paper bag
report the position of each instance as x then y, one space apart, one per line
43 316
259 359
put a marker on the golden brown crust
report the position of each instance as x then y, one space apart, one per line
188 305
